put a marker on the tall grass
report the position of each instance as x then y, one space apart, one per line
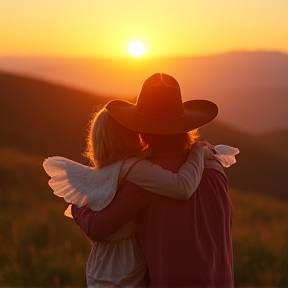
39 247
260 234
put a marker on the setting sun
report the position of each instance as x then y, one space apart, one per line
136 48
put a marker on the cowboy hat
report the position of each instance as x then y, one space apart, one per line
159 109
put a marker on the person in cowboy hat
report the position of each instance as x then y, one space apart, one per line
185 243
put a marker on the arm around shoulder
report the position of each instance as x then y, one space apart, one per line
129 200
179 185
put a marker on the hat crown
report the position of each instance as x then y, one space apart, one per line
160 97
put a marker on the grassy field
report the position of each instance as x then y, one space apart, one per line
260 233
42 248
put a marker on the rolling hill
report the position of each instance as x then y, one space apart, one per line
43 119
277 141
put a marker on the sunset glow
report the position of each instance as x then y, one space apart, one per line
103 28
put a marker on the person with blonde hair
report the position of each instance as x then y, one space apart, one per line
184 243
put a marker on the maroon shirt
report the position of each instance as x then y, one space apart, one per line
186 243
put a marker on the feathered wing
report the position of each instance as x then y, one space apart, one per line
226 154
82 185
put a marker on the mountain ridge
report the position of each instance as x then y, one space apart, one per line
236 81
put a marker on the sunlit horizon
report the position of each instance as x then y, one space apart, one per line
143 58
102 29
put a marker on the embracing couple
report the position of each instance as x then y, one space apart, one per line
155 204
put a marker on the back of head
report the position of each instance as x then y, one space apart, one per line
109 141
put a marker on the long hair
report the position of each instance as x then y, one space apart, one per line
109 141
183 141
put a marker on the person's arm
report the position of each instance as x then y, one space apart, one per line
180 185
129 200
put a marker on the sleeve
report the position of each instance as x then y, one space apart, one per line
129 200
179 185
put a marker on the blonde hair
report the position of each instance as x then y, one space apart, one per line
109 141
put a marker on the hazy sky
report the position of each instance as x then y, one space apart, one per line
94 28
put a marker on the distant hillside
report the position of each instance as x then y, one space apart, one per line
224 72
255 110
276 141
260 167
42 119
250 88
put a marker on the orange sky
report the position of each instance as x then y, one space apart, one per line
91 28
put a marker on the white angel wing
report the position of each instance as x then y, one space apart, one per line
80 184
226 154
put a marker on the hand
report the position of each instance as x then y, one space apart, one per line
209 150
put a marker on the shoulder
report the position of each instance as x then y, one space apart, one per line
215 176
134 164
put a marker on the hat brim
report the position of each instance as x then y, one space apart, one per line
197 114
